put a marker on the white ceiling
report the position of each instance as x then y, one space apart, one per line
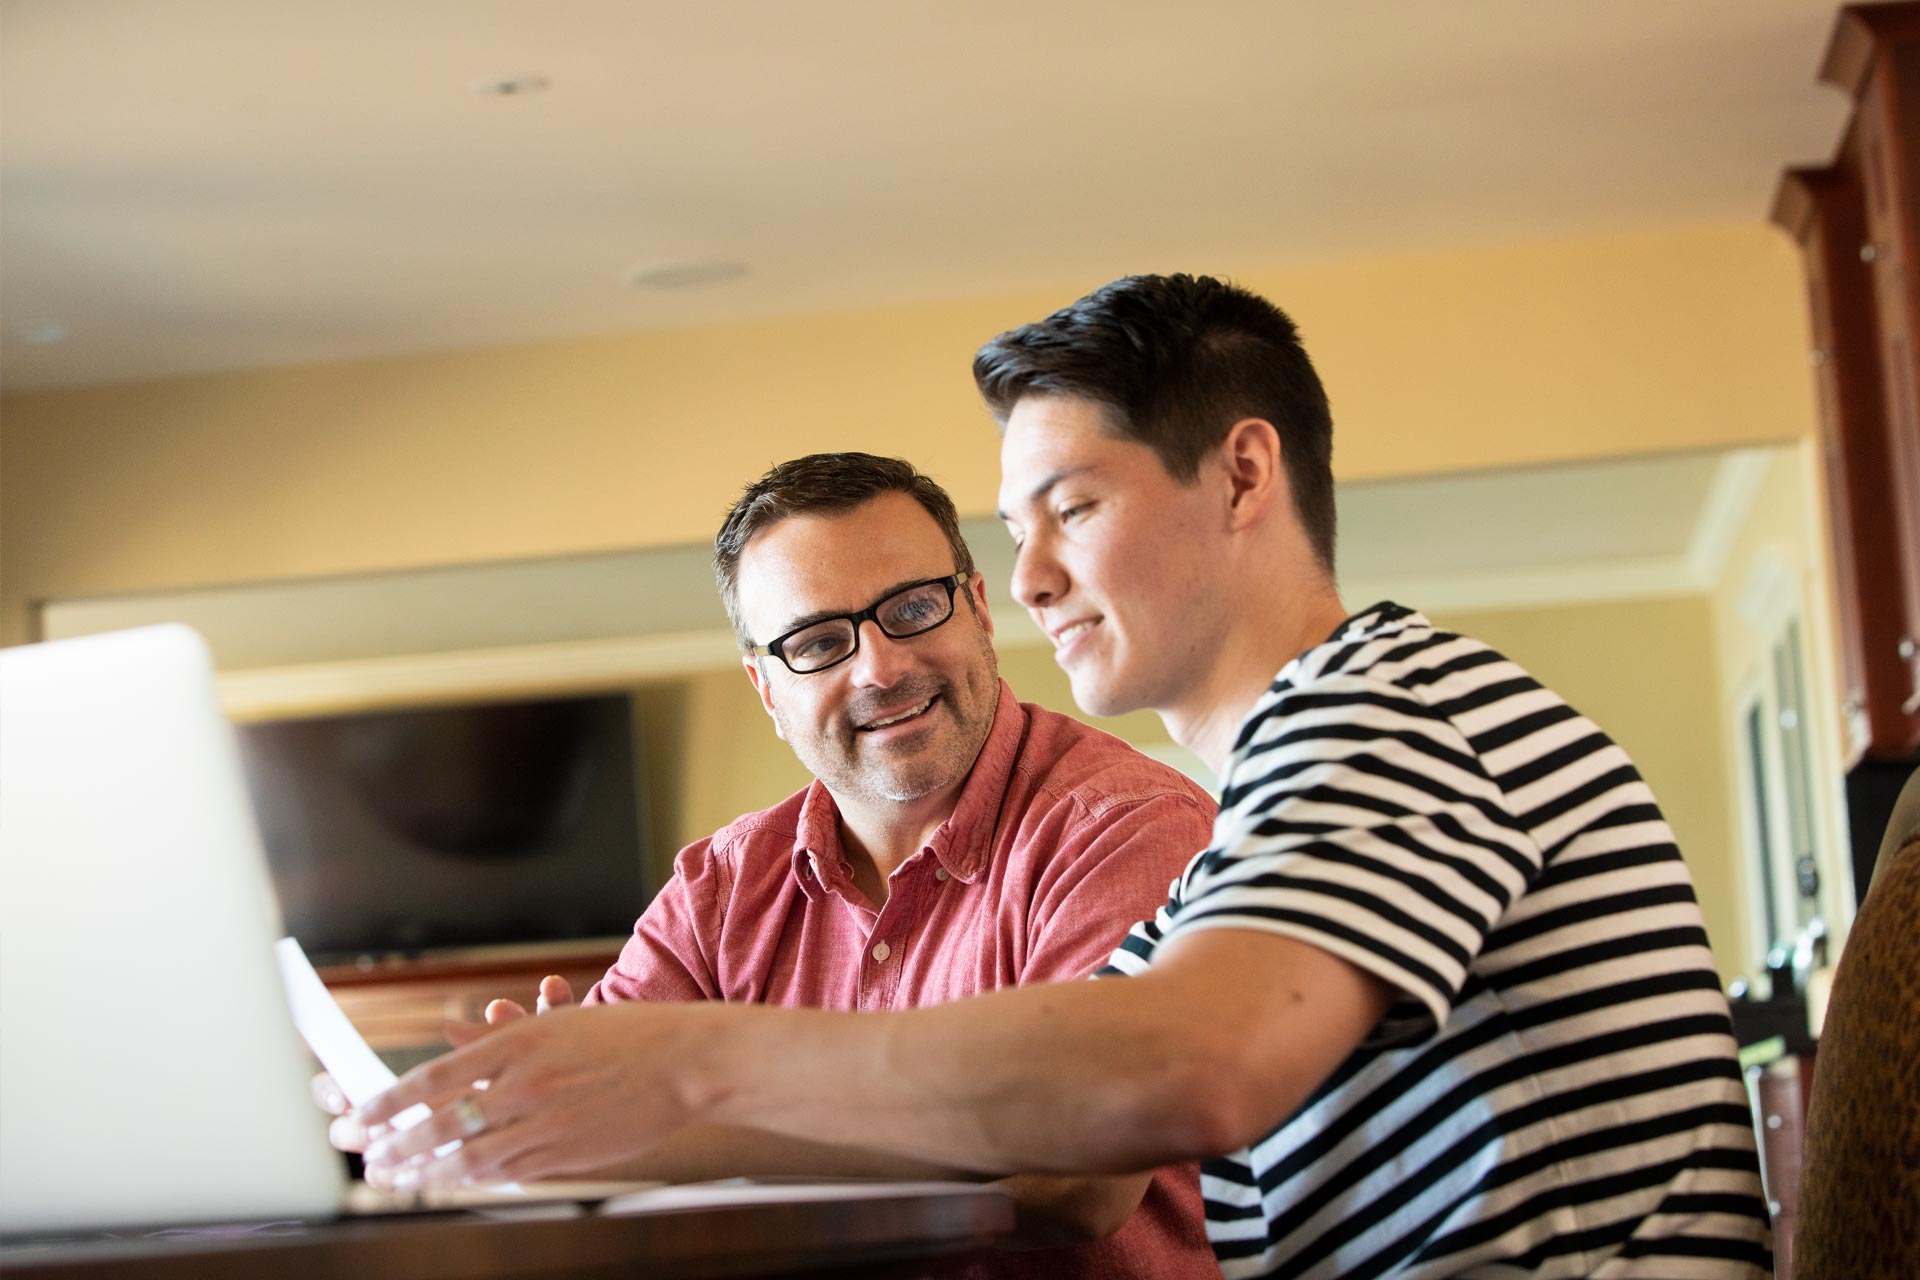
190 185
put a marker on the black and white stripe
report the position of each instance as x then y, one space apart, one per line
1555 1092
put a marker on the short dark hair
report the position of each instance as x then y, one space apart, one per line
1175 361
823 483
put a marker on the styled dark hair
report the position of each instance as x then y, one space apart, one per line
823 483
1175 361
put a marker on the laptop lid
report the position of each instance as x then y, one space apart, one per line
149 1071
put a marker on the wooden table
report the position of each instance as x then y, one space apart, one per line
923 1233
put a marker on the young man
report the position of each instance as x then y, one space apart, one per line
1435 1000
955 840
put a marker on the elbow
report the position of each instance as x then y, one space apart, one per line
1241 1105
1052 1211
1215 1123
1212 1099
1100 1220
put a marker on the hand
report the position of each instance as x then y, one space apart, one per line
348 1133
567 1093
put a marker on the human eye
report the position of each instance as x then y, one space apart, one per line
1067 512
815 644
915 606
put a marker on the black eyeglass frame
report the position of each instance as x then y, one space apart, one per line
776 647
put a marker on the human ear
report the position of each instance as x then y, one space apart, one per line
762 686
977 586
1250 457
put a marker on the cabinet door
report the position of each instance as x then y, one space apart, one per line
1825 210
1846 365
1887 124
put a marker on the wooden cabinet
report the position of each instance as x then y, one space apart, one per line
1858 224
399 1006
1823 209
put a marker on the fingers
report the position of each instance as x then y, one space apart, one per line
555 991
457 1121
439 1081
346 1133
500 1155
499 1011
327 1095
469 1140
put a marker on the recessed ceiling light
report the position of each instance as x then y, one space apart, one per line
686 275
512 86
40 333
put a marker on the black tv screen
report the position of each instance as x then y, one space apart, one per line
403 831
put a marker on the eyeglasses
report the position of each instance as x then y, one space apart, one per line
911 611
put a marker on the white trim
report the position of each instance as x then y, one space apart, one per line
265 692
1576 583
1723 514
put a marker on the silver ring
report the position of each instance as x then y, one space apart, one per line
472 1123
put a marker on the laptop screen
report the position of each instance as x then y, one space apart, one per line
149 1070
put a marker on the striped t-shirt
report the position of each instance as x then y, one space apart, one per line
1555 1092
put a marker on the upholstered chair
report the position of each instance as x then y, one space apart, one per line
1860 1184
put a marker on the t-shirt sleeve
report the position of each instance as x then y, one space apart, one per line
1357 819
1111 870
671 953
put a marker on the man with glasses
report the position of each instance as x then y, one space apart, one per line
955 840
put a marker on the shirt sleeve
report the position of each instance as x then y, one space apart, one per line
1359 820
671 954
1112 868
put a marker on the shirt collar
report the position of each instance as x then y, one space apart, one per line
963 844
818 859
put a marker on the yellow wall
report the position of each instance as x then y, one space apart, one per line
1645 672
1569 350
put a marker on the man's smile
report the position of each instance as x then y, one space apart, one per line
903 716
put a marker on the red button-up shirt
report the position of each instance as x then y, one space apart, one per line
1062 837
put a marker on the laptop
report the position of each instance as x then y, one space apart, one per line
149 1068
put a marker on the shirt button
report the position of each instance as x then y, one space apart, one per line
940 873
881 951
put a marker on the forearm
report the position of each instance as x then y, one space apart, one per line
1073 1077
1224 1037
1221 1040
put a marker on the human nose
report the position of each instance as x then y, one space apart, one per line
880 660
1038 578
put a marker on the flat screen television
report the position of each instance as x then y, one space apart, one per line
400 832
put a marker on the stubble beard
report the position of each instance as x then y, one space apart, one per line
838 759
